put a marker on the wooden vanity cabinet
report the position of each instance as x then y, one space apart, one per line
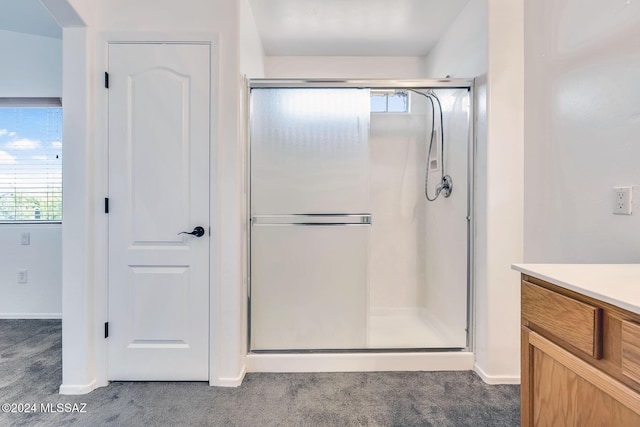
580 359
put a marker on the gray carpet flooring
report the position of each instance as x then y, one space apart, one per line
30 372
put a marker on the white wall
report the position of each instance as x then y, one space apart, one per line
484 42
499 361
251 50
40 297
462 50
79 326
355 67
32 67
84 265
581 130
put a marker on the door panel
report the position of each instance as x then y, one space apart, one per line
309 151
310 216
158 187
309 286
168 308
166 168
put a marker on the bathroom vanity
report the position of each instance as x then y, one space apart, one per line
580 344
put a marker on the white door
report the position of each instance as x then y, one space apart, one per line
158 187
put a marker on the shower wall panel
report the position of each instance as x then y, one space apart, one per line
397 144
419 248
445 256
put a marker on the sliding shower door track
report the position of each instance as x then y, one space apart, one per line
362 350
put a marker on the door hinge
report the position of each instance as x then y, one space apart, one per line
106 80
106 205
106 329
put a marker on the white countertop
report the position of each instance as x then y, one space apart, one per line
617 284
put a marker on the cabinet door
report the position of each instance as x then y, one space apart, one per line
560 389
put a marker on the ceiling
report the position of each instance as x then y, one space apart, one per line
28 16
353 27
306 27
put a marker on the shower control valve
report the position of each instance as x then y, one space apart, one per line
445 186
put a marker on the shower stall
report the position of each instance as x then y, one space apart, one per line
360 216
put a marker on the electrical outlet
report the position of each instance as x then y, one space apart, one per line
25 238
622 201
22 276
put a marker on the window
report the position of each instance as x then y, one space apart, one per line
30 160
389 101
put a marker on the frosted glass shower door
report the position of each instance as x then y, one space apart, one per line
310 218
309 287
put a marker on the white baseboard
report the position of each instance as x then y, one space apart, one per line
30 315
496 379
360 362
70 389
229 382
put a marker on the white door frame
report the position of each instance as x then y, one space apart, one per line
100 190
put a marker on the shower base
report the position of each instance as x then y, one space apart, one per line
410 327
389 329
360 362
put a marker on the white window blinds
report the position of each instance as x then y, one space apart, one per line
30 160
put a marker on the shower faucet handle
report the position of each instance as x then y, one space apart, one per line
445 186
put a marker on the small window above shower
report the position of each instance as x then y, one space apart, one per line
389 101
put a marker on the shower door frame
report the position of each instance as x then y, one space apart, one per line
444 83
